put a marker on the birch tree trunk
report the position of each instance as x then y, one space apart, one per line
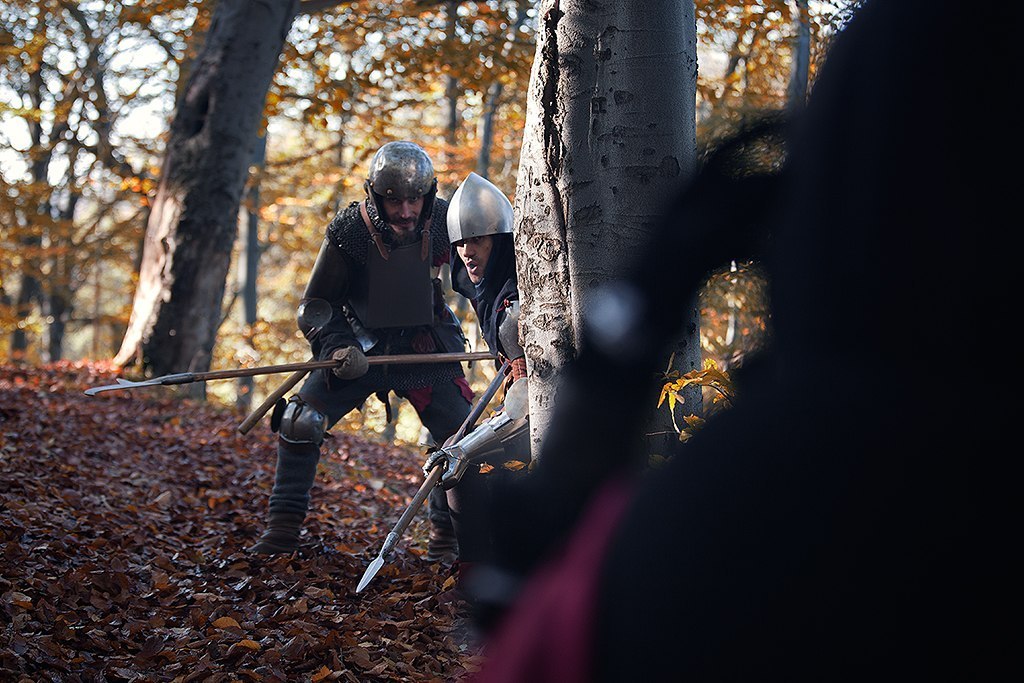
193 221
610 136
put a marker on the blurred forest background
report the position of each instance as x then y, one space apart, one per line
88 90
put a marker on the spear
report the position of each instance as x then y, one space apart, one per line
190 377
421 495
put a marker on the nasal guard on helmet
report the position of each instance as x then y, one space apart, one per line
478 208
401 170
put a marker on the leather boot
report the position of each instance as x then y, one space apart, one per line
442 545
282 534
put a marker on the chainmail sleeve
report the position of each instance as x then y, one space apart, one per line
329 281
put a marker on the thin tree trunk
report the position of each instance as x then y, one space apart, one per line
96 308
60 295
30 289
483 162
451 91
29 292
246 385
801 56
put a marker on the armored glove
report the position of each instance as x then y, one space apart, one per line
436 457
452 462
351 363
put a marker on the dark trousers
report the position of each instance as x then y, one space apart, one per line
465 505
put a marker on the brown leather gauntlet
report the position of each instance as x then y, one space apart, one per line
518 368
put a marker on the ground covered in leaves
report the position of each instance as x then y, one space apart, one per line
124 520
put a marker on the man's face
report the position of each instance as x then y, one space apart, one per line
475 252
403 214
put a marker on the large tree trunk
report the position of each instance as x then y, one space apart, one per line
194 218
610 136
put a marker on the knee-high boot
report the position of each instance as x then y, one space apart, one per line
296 470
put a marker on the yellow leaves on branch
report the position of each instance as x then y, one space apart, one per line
710 377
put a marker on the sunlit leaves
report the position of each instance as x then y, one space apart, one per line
72 79
747 55
735 313
709 377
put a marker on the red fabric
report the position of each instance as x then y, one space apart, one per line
464 388
423 342
548 635
419 398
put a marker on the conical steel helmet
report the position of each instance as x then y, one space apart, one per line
478 208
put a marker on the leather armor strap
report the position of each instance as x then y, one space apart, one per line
374 233
379 240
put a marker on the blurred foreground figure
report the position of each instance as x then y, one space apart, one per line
818 530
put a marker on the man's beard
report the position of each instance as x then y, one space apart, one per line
400 239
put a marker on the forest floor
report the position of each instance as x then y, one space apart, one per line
124 523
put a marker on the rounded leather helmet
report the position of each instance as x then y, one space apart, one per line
478 208
401 170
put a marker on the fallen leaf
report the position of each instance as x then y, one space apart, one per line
226 622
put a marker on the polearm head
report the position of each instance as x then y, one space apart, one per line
179 378
385 553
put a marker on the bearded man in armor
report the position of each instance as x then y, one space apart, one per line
377 267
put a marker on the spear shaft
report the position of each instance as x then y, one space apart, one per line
430 482
190 377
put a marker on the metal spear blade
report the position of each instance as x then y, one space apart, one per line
370 572
122 384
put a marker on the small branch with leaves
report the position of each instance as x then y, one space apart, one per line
674 382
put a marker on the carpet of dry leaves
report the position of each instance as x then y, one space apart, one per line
124 523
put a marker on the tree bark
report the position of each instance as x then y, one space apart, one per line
451 88
483 161
801 56
610 137
246 385
30 289
60 295
193 221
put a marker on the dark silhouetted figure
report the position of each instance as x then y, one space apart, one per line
818 530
